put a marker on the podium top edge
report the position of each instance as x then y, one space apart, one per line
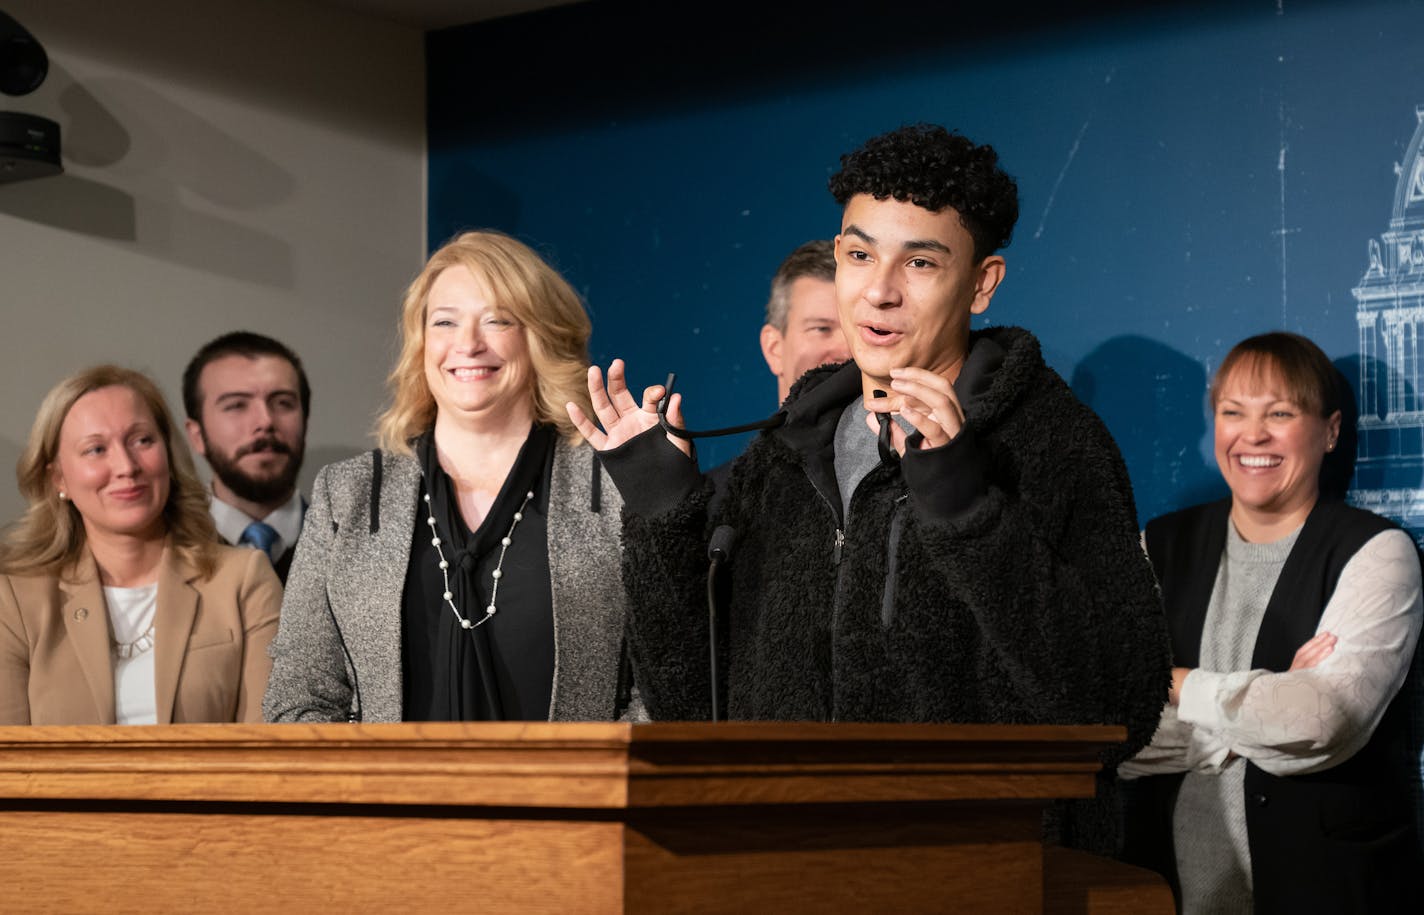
572 734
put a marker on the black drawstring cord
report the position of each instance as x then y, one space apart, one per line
771 422
887 444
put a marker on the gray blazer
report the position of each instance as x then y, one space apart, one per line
344 594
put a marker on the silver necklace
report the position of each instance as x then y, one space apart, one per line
125 650
448 596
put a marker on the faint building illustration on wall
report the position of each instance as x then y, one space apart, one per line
1389 302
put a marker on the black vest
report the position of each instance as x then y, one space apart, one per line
1339 840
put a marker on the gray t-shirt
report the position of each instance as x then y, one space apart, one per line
857 450
1209 823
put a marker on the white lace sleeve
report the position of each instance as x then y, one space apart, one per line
1303 721
1166 753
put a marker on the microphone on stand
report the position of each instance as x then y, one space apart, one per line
719 550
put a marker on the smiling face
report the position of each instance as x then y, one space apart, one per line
812 337
476 356
112 464
906 285
1269 449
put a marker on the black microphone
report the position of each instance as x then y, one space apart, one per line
719 550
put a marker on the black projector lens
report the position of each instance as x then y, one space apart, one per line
23 61
23 66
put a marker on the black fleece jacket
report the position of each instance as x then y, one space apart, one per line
998 578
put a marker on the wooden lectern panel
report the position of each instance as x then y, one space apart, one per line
535 817
213 862
934 857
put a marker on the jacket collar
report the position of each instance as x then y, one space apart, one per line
994 375
86 623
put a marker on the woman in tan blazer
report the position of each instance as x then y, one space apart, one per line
117 602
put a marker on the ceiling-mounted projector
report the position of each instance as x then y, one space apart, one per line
29 147
29 144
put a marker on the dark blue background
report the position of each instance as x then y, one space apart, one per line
1189 176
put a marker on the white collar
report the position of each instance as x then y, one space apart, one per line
286 521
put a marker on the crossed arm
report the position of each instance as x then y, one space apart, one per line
1327 705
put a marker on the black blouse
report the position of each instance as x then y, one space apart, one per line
504 668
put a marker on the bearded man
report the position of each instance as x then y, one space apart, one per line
247 400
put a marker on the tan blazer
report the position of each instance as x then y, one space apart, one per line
210 643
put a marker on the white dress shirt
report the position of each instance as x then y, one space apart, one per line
286 521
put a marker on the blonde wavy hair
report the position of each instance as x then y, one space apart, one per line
534 295
49 538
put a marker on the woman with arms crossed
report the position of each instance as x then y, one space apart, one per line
117 603
468 569
1273 783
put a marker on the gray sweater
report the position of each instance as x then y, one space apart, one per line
344 594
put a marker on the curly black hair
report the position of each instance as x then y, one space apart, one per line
934 168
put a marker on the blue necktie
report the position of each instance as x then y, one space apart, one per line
259 535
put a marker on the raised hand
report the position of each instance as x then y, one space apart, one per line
929 403
620 415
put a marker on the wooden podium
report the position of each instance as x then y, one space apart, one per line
595 818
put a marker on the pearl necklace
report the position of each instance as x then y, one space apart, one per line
496 575
125 650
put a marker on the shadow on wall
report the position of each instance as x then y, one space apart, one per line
1151 398
92 137
73 204
162 155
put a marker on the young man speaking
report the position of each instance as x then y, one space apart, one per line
937 531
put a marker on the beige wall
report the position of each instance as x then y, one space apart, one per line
229 164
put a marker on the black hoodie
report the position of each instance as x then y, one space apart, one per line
999 578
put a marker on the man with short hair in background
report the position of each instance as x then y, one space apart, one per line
247 400
802 329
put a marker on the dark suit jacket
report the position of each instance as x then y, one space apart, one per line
283 563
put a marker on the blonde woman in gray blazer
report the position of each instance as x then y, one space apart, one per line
468 569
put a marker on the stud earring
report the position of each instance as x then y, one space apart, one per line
62 496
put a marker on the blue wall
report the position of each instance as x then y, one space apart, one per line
1189 176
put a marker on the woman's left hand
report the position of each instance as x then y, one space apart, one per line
1311 654
927 401
1314 651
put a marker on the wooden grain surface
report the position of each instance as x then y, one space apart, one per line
961 858
534 817
543 764
84 862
